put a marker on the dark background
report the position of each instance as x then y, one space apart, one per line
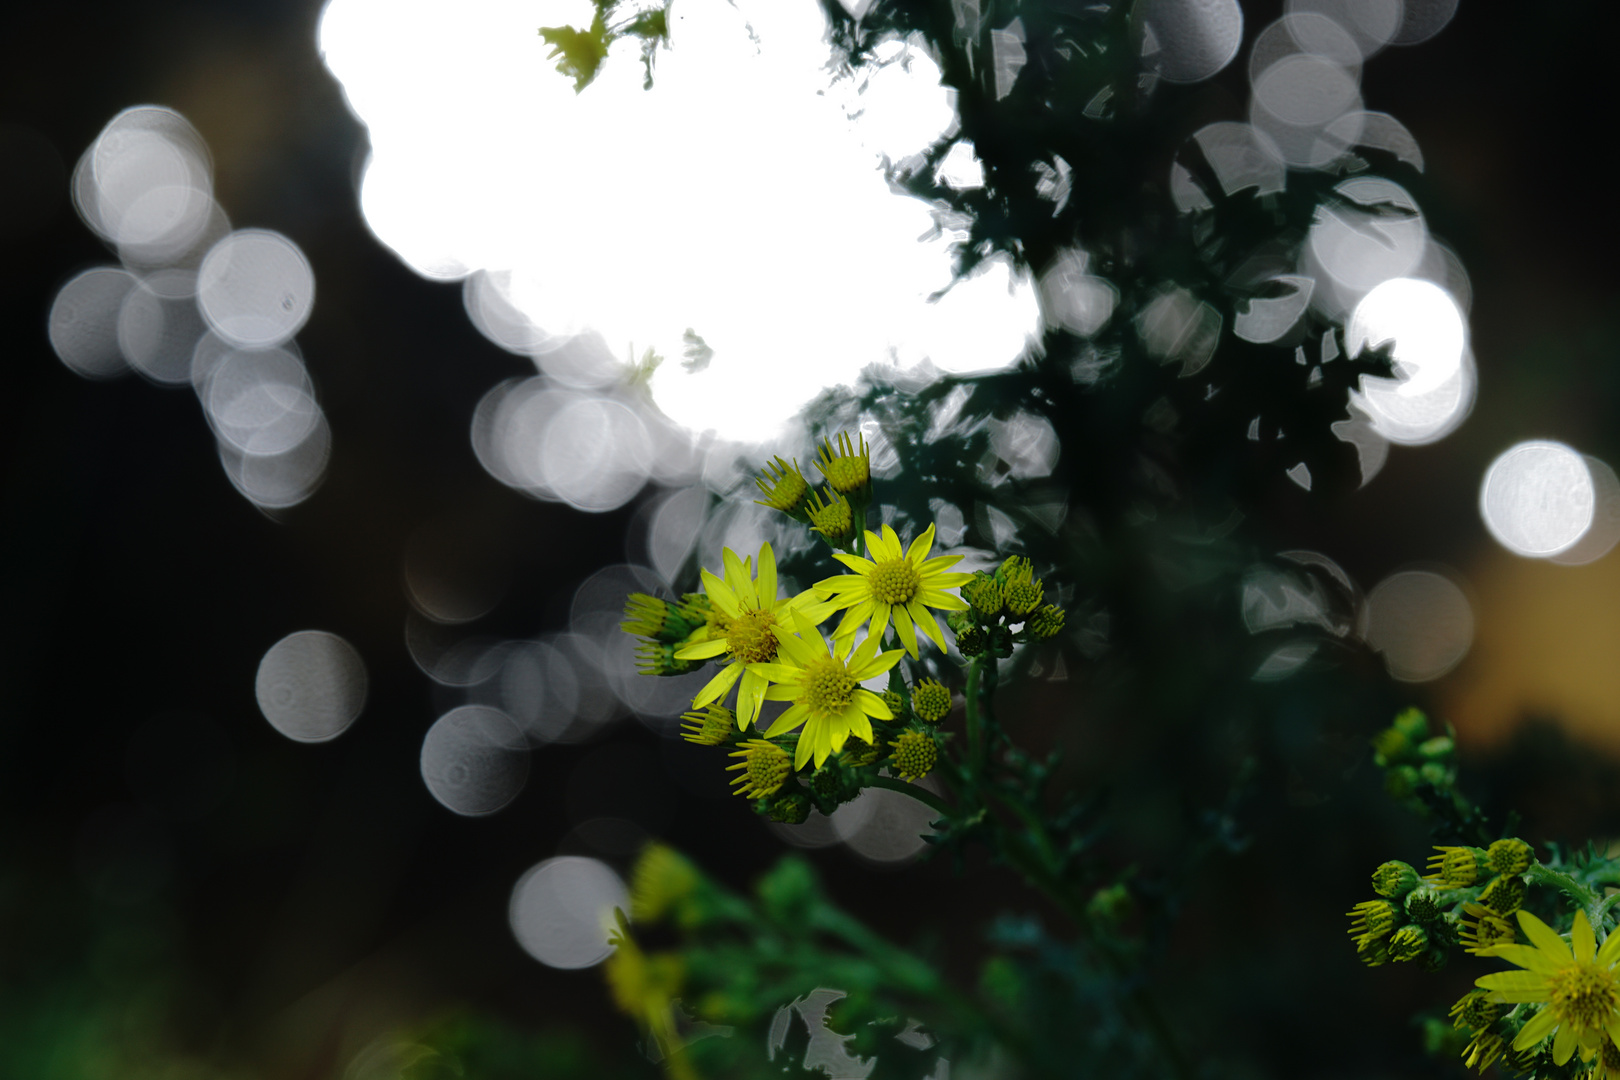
273 904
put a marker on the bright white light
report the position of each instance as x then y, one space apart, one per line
562 911
255 288
311 685
741 198
1434 385
1538 499
475 760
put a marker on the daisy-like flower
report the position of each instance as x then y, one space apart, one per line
824 685
894 584
752 615
1579 988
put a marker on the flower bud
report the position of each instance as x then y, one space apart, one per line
1047 622
832 517
1394 879
930 701
790 809
1504 895
1475 1009
914 755
784 488
1373 919
764 768
714 726
1457 867
1408 943
1424 904
1510 856
655 658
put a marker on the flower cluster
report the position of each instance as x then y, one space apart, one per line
1558 1015
1005 608
835 736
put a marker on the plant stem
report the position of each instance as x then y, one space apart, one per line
921 794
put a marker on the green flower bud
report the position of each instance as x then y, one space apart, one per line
1435 773
971 642
1408 943
914 755
848 470
657 619
1437 748
784 488
1373 919
1483 929
1425 904
790 809
832 518
1504 895
985 594
1394 879
1374 952
1023 597
763 768
1457 867
655 658
1401 781
930 701
1475 1009
714 726
1413 724
895 702
1016 570
825 782
1510 856
1047 622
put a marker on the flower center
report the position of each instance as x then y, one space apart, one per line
749 636
1586 994
895 581
828 687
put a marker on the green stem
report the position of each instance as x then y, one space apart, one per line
921 794
1589 901
975 731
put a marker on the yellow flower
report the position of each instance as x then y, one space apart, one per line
826 692
896 584
764 768
1580 990
752 614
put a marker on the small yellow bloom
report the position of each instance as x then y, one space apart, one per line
783 486
764 767
930 701
753 614
847 469
824 685
1578 988
914 755
894 583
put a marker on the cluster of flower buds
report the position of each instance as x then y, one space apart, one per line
1465 899
838 511
1411 755
665 626
1005 608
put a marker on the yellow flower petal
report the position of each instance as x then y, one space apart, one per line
921 546
926 623
1539 1027
718 686
1580 935
720 595
1526 957
702 650
1515 986
1544 938
1564 1043
903 627
765 583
